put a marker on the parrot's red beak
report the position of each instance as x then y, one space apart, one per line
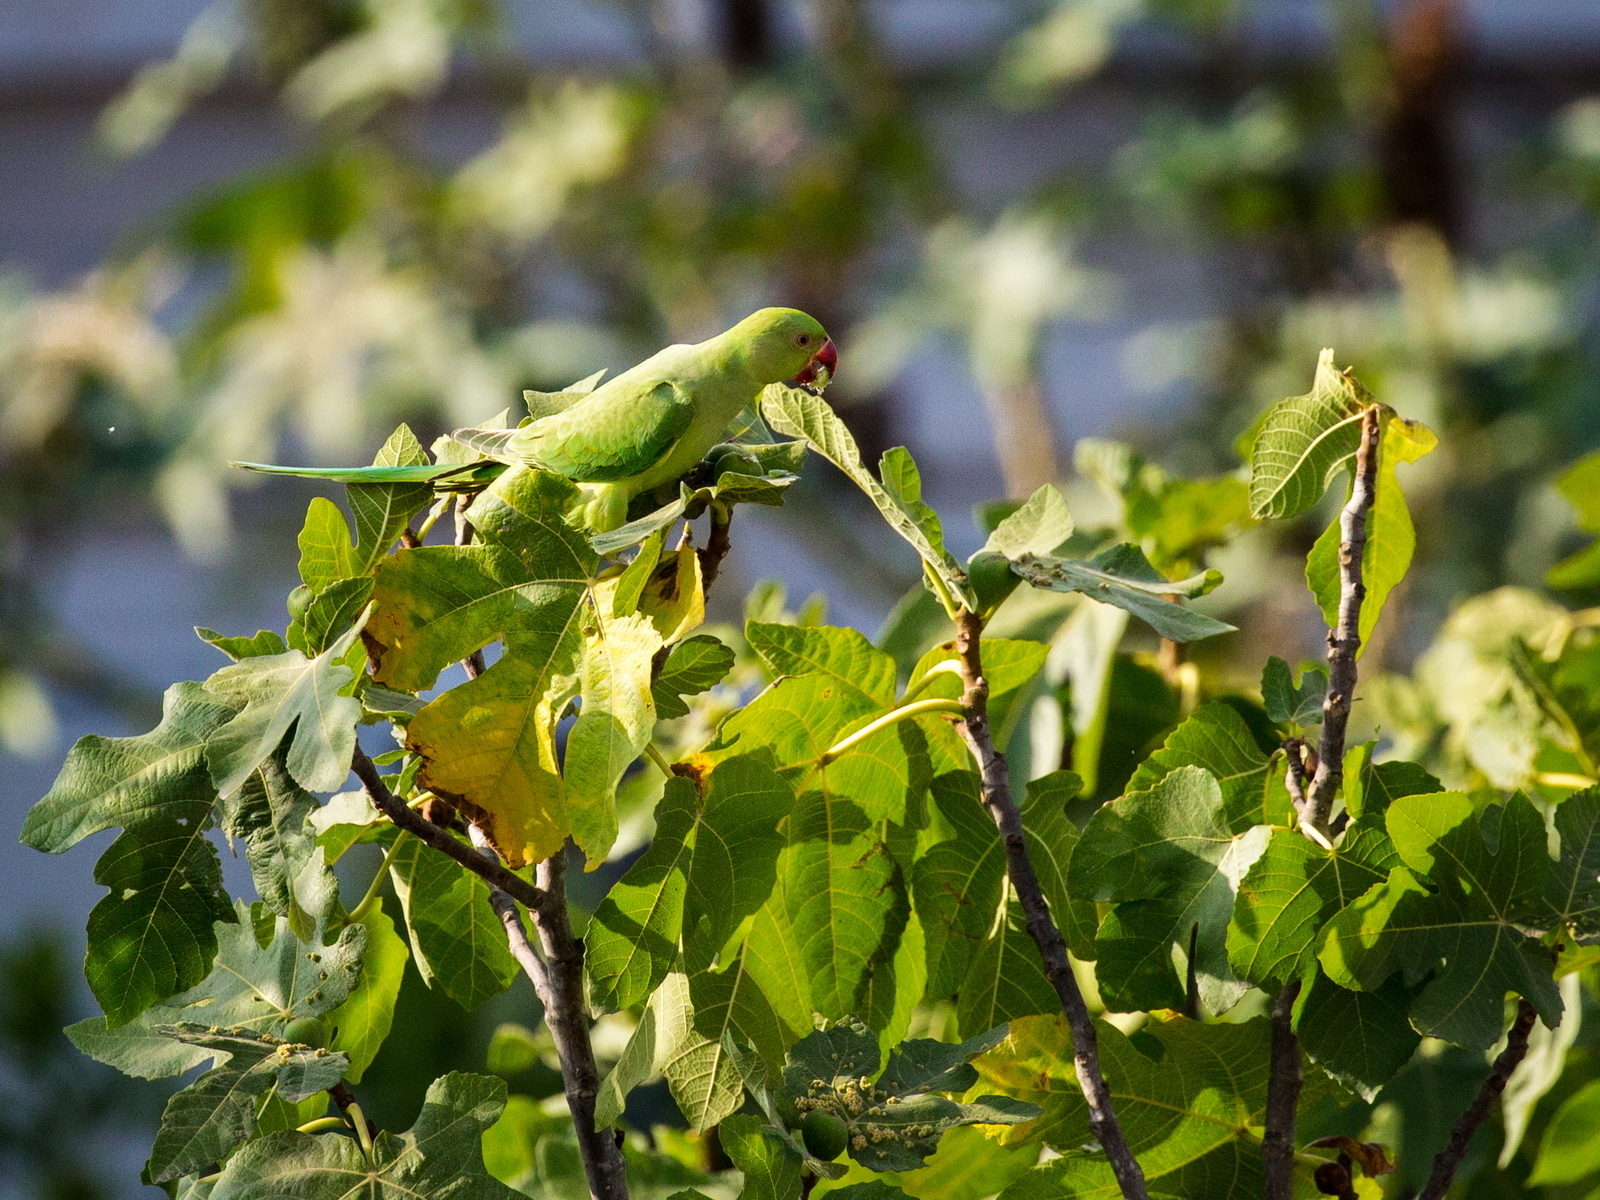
822 365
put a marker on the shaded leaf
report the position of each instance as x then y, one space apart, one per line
632 941
695 665
1453 908
456 938
701 1074
771 1168
153 935
1361 1039
440 1156
1171 864
1287 702
382 510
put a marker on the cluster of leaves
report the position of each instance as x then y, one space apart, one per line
823 878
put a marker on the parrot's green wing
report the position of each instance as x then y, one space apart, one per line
604 442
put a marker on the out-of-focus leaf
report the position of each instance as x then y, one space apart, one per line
1171 864
441 1156
1122 576
1543 1065
458 940
801 414
635 1066
1580 484
1305 441
1569 1150
1456 908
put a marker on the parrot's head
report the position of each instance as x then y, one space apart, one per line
784 343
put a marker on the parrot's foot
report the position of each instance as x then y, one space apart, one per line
605 506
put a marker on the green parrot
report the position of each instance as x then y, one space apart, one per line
651 424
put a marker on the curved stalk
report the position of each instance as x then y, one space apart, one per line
893 716
355 915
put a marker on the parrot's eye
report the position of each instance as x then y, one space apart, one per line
803 340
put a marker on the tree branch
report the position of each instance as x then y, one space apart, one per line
565 1014
1449 1159
1344 640
717 544
1288 1073
440 839
997 798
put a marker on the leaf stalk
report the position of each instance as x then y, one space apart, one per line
894 715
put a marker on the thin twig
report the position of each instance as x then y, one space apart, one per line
997 798
566 1017
1449 1159
1294 775
717 544
1344 639
1287 1074
440 839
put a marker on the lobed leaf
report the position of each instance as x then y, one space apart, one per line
1169 861
440 1156
1304 442
458 941
801 414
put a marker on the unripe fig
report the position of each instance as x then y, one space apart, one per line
307 1031
824 1134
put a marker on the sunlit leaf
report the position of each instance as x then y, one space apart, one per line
276 694
107 782
1305 441
362 1023
801 414
1122 576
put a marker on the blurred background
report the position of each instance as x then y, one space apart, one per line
271 229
